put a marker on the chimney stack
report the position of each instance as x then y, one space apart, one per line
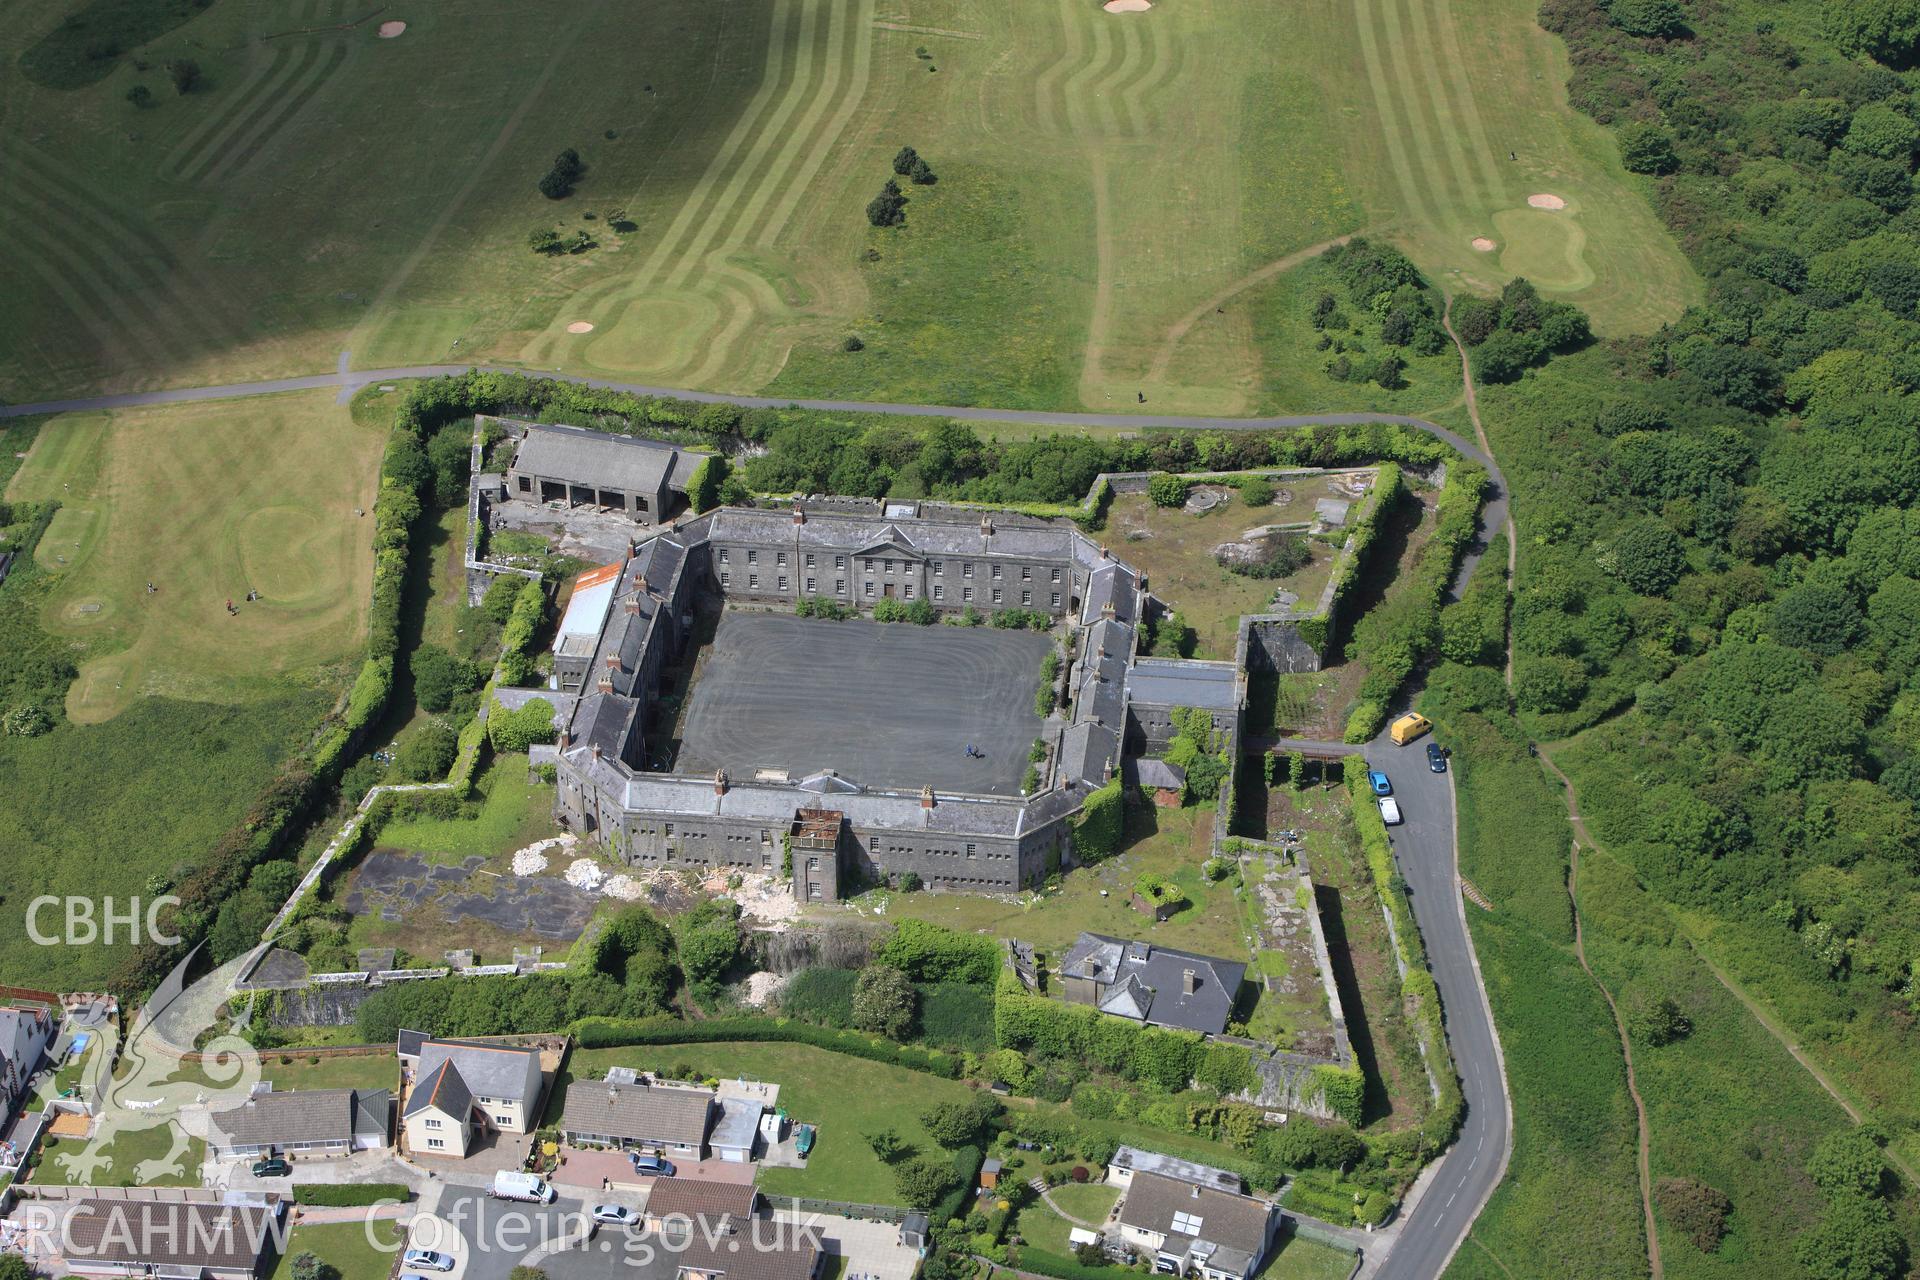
640 583
1104 554
606 682
799 516
566 740
1187 986
926 797
1107 610
986 524
719 782
613 662
596 752
633 605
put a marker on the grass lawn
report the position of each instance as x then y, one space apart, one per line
1114 191
345 1246
1044 1229
156 497
372 1071
128 1151
1177 557
1167 842
845 1098
514 812
1087 1201
1302 1259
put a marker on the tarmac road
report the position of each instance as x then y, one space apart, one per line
1423 846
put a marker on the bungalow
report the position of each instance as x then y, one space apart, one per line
667 1119
704 1202
462 1088
308 1122
1186 1227
773 1251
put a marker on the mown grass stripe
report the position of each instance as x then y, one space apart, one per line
211 131
248 121
1387 123
1425 56
753 179
861 40
667 249
1467 104
236 160
1415 116
1049 98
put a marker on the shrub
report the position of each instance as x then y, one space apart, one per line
922 1181
1167 491
1697 1209
928 952
342 1195
439 677
521 728
1102 824
1257 491
426 754
1659 1022
884 1001
1044 697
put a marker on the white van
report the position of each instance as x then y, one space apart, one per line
509 1185
1390 811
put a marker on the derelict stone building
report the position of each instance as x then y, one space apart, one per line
626 622
644 479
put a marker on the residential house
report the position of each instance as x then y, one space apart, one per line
706 1203
201 1236
302 1122
1153 985
631 1116
466 1088
1186 1227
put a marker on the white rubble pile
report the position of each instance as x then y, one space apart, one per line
585 873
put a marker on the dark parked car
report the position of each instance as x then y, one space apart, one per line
1436 758
271 1167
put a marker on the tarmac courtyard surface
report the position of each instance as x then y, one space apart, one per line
888 705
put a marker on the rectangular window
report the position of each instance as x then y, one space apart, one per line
939 567
867 562
783 582
723 555
889 565
526 485
753 582
1026 598
1056 599
813 891
1056 575
503 1119
810 586
839 562
939 592
966 593
973 851
780 559
436 1143
909 591
667 829
869 589
813 864
726 579
839 586
432 1123
809 559
996 595
966 570
996 572
753 557
1026 573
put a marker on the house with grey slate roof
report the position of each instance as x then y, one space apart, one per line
1155 986
302 1122
1191 1227
630 1116
638 621
465 1088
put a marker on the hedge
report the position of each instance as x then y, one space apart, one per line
521 630
1317 629
1390 641
1417 988
1043 698
703 484
609 1033
352 1194
1102 825
1344 1091
1043 1263
1081 1033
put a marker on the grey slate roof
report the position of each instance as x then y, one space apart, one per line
1111 582
1159 973
483 1070
637 1112
178 1239
1149 772
604 461
440 1089
410 1042
1227 1220
700 1198
301 1116
1086 749
1179 682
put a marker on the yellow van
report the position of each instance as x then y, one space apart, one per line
1408 727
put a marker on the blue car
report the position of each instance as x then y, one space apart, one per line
1378 781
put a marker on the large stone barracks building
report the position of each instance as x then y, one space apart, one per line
628 622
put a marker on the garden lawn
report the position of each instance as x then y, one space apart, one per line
369 1071
1167 842
345 1247
514 812
1087 1201
128 1151
1302 1259
844 1097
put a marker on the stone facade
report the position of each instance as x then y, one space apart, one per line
836 830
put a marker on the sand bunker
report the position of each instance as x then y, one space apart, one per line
1482 245
1545 201
388 30
1126 6
580 326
